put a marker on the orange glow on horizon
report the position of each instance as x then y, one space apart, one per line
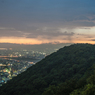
30 41
19 40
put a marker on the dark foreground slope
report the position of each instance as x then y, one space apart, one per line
65 70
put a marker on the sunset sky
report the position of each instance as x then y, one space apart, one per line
47 21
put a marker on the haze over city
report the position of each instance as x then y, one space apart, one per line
47 21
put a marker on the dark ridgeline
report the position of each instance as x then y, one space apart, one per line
37 47
69 71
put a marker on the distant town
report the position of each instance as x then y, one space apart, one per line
14 62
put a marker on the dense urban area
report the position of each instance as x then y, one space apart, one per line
14 62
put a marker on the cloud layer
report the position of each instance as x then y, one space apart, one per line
47 19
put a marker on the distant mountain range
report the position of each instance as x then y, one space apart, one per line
40 47
69 71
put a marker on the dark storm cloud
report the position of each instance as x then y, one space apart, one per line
7 32
93 40
32 16
86 28
49 33
10 33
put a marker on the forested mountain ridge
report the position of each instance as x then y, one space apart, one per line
64 72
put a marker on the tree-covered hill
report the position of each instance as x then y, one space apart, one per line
64 72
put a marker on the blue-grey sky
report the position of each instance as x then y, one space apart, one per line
43 21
